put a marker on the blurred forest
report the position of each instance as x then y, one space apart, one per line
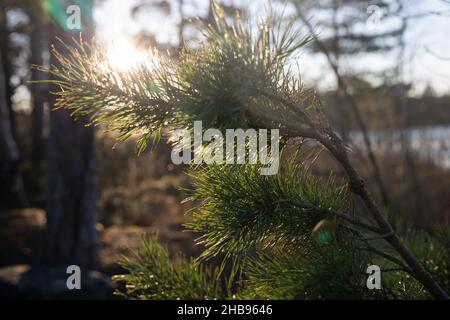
74 195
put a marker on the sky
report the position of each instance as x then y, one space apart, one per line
427 41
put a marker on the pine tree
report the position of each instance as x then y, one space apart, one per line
289 235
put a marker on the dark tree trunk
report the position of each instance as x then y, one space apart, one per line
72 236
71 192
40 93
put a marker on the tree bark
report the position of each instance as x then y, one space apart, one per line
71 234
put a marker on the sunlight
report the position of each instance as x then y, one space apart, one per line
124 56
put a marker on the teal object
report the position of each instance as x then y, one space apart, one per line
324 237
57 11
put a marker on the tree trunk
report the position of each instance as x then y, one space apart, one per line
71 234
40 95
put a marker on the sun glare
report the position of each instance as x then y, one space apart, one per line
124 56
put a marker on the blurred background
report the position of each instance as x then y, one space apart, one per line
73 195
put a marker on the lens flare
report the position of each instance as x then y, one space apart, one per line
57 12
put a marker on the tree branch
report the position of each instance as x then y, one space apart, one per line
335 146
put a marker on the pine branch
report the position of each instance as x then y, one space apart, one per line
222 83
241 209
152 276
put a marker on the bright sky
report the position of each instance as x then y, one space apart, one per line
431 33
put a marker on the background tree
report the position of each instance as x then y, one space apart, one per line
39 43
344 34
12 189
71 234
186 25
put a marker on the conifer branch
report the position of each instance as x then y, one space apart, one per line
237 78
